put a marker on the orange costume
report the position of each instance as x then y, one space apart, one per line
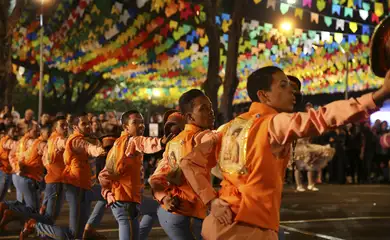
53 159
18 152
169 175
253 185
123 174
31 165
6 144
78 171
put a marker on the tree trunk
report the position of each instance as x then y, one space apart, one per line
231 80
213 81
7 25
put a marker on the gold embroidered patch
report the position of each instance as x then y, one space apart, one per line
232 158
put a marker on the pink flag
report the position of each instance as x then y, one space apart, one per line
306 3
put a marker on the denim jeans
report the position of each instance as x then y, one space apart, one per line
54 232
30 191
5 183
179 227
53 200
78 209
126 214
98 211
27 212
16 180
149 208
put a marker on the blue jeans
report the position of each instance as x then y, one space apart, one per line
5 183
179 227
16 180
126 214
53 200
149 208
98 211
30 191
54 232
78 209
26 212
281 235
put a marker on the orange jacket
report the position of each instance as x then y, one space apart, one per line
54 158
5 166
169 176
77 168
18 153
123 174
31 166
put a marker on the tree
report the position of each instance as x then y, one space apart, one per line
8 19
73 95
231 80
213 81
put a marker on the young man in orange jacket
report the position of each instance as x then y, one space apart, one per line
181 211
248 202
122 178
6 144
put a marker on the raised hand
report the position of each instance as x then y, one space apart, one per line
221 211
171 203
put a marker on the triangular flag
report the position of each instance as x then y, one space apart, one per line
299 13
321 4
351 38
314 17
340 24
328 21
365 39
325 36
379 9
366 6
358 3
284 8
365 29
348 12
306 3
338 37
374 18
336 9
363 14
353 26
271 3
256 1
350 4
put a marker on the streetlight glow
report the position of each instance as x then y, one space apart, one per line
156 93
286 26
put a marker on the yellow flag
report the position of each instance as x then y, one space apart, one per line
378 9
299 13
350 4
353 26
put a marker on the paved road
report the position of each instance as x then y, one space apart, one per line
356 212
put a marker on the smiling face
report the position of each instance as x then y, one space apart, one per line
135 125
281 95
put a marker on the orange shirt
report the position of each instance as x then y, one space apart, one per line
53 158
6 144
169 177
32 166
123 174
18 152
77 169
252 184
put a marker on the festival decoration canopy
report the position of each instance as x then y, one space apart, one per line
162 44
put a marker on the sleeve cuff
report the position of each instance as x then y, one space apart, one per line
368 102
207 195
159 196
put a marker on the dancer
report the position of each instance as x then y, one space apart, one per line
182 212
311 158
173 124
251 190
78 176
53 161
121 179
6 144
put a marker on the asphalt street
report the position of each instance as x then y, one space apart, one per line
356 212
